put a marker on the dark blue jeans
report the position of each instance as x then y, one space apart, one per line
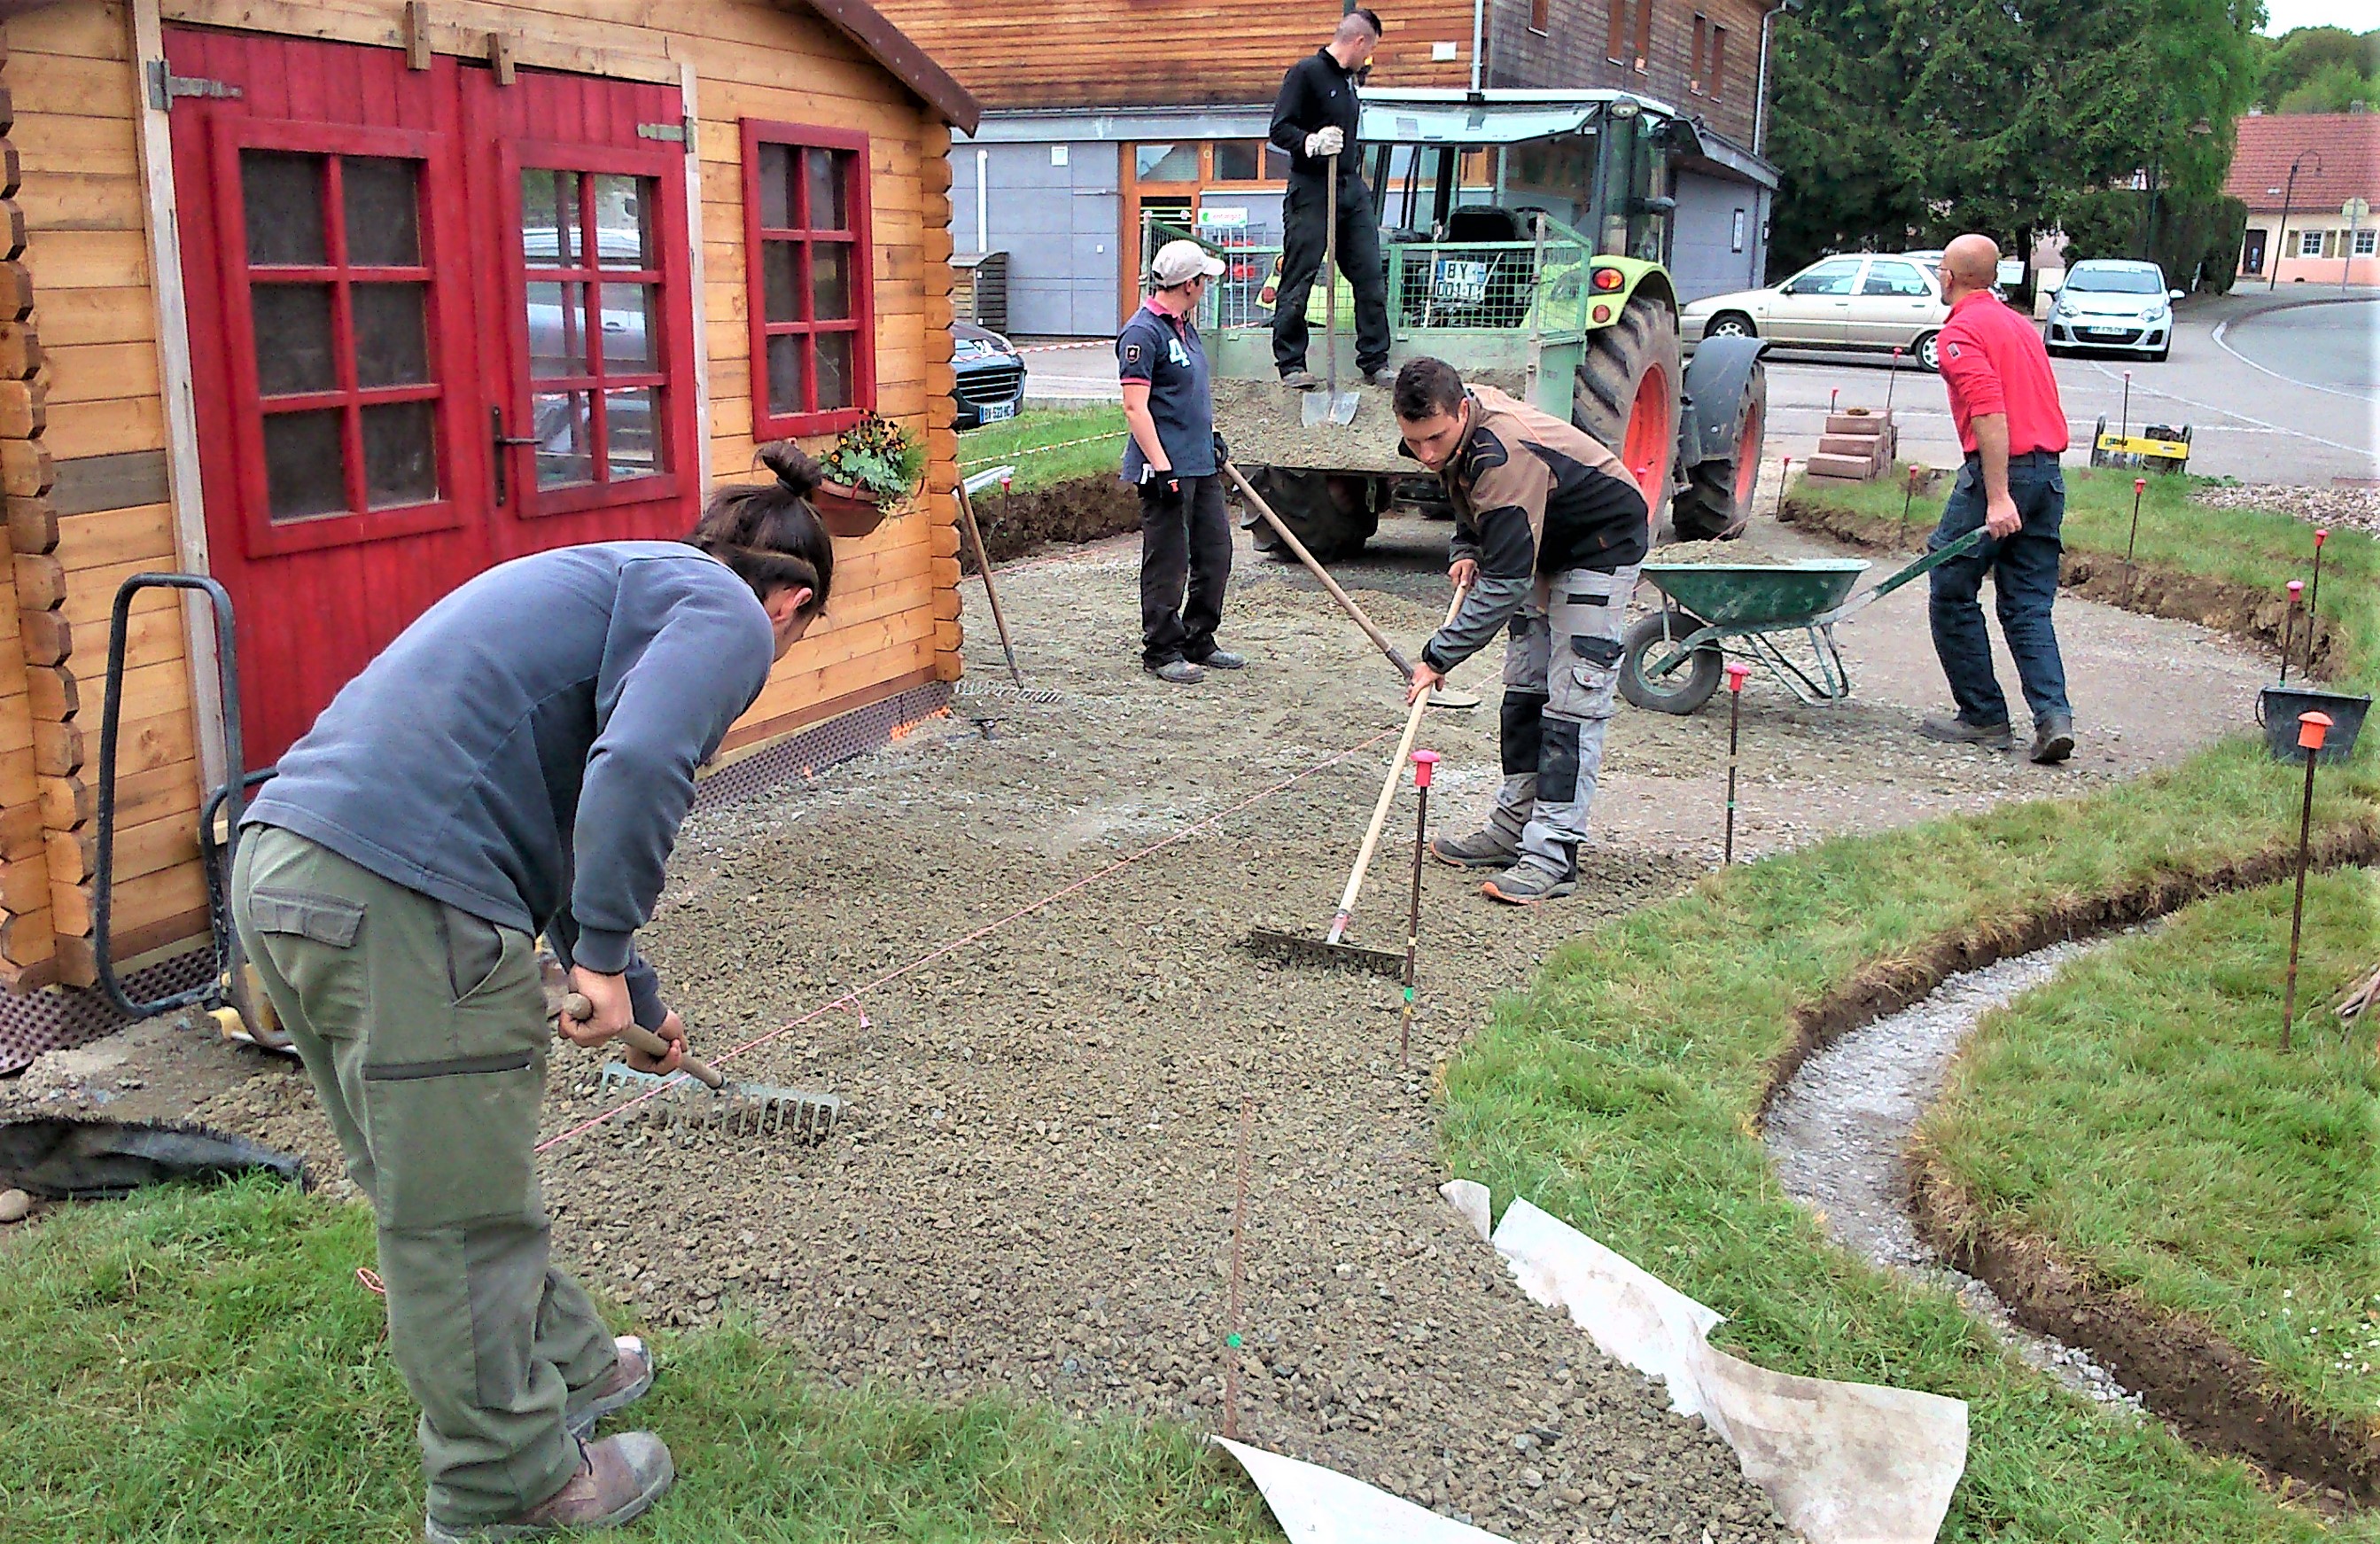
2024 569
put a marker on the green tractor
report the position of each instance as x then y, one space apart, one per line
1522 233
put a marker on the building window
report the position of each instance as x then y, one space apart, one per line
2367 242
810 285
1249 161
1702 41
2310 243
1718 79
1643 61
1176 163
591 298
1615 44
1541 15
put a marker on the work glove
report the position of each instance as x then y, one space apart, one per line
1326 141
1159 486
1223 450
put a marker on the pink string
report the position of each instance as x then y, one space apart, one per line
851 999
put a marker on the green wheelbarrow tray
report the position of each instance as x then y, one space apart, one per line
1674 656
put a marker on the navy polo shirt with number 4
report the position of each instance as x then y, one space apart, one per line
1165 352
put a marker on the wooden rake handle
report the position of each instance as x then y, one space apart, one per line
641 1039
1387 797
1346 601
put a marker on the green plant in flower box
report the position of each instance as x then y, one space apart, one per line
878 457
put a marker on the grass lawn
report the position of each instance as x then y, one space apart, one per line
1043 446
2139 1113
1621 1091
202 1365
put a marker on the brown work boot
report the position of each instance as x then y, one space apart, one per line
615 1390
618 1479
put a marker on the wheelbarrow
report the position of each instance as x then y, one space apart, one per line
1675 656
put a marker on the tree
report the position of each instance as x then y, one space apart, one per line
1904 119
2335 88
2318 66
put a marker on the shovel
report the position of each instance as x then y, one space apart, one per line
1332 404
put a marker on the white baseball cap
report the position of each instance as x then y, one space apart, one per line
1178 263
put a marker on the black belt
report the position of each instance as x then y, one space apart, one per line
2023 458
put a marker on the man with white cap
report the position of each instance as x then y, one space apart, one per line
1174 456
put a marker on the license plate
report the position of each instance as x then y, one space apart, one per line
2108 332
992 412
1459 282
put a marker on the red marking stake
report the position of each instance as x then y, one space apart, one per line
1736 672
2312 730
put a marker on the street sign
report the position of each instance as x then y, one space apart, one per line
2354 210
2011 272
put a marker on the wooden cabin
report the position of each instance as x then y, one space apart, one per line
342 302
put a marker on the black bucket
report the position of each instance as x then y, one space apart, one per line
2277 709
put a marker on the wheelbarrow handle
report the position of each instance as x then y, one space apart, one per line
1923 565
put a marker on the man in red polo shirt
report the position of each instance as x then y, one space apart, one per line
2012 428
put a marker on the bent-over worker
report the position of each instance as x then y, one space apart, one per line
518 761
1174 458
2004 399
1315 119
1549 533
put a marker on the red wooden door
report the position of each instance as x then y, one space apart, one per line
377 304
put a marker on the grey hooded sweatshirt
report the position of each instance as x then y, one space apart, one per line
526 749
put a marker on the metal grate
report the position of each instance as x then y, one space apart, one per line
59 1018
974 691
839 739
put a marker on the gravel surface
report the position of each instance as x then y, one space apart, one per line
2359 507
1840 1130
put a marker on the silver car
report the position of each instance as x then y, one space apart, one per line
2110 303
1858 301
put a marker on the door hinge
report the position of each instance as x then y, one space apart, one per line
165 85
679 133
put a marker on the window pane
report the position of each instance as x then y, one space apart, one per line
621 211
833 370
390 349
1165 163
557 330
383 211
831 280
628 325
1276 162
564 439
629 418
305 467
1236 161
786 352
400 454
776 180
781 284
830 182
281 193
548 218
293 338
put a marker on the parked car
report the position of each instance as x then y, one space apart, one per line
2110 303
991 375
1856 301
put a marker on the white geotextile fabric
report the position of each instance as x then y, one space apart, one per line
1843 1463
1315 1505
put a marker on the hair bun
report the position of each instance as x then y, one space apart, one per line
794 467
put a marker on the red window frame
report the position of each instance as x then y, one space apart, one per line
668 343
768 423
447 352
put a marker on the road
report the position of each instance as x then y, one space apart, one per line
2274 389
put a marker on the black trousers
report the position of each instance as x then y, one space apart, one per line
1305 215
1186 541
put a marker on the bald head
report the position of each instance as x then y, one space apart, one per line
1972 263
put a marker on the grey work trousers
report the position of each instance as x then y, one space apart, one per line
424 1030
1561 670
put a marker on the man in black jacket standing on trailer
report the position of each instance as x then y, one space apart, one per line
1315 120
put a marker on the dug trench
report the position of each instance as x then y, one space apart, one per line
2206 1388
1032 1194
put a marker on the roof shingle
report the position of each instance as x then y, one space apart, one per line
2346 145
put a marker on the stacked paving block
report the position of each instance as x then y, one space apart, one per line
1856 447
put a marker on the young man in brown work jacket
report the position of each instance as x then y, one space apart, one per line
1549 533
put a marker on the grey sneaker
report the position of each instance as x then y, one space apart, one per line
1528 881
1379 375
1181 672
1957 731
2053 738
615 1390
1481 849
1301 381
1223 659
618 1480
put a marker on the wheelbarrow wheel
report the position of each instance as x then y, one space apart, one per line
1687 684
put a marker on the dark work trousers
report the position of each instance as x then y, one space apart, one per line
1304 216
2024 569
1186 540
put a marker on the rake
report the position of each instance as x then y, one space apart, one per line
749 1109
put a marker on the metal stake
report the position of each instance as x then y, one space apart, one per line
2127 430
1424 763
2140 486
1908 493
1239 1223
2313 597
1736 672
2290 628
2312 727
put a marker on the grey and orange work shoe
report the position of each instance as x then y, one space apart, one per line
1481 849
1957 731
1530 880
614 1392
618 1480
2053 738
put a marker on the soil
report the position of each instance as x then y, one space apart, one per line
1264 422
1032 1190
1078 510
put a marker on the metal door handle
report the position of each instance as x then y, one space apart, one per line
502 442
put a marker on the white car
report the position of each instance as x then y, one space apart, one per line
2109 303
1859 301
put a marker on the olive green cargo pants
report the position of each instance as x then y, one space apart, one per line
424 1028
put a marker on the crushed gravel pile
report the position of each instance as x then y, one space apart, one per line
2358 508
1262 421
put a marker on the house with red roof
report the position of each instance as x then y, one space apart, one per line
2312 185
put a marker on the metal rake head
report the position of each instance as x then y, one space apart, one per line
740 1108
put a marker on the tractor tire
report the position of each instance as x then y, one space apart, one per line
1333 513
1687 685
1630 379
1717 501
